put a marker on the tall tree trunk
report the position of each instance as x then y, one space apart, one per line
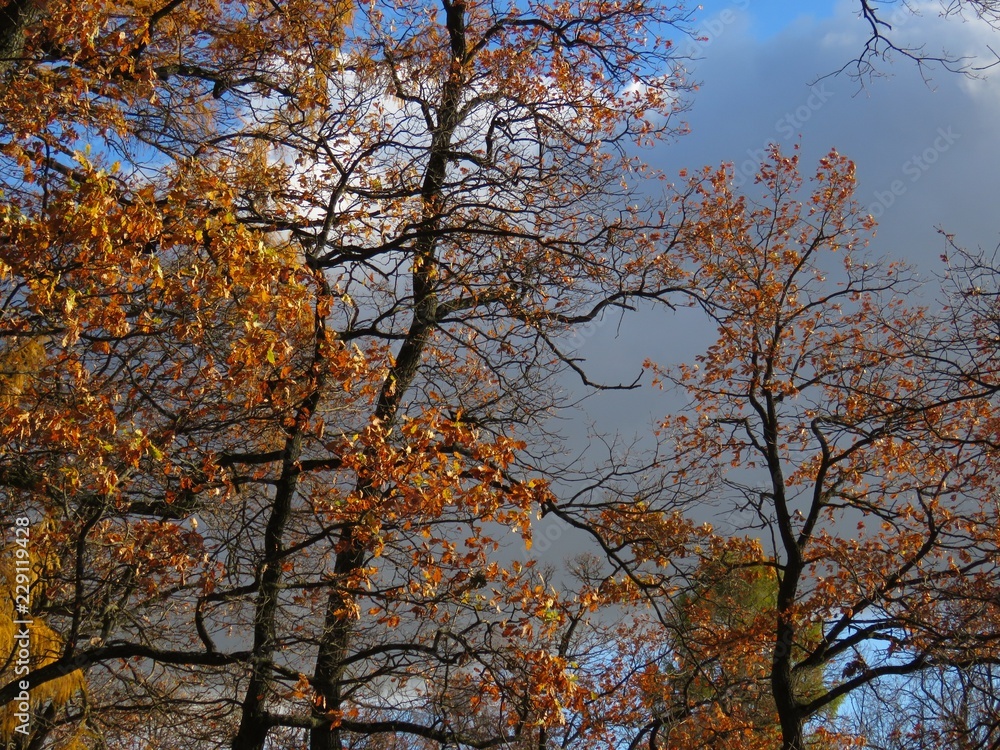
16 17
252 733
335 640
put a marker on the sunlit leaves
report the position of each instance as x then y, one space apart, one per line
282 288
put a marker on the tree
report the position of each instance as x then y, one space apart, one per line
818 415
285 288
719 648
298 272
823 420
947 707
691 658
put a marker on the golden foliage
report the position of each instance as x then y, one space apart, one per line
20 361
44 646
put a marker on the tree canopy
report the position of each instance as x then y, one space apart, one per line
286 295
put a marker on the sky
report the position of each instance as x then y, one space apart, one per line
926 145
760 18
765 78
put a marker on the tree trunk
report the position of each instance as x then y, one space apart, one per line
15 18
336 635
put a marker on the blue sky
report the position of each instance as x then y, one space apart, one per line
764 17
